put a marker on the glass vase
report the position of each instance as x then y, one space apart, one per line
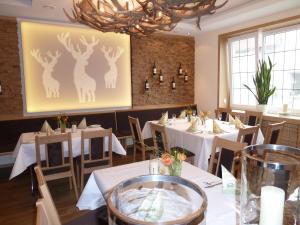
63 127
175 168
269 171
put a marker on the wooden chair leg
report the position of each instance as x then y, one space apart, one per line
78 174
134 152
74 184
81 179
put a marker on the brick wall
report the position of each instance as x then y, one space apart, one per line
11 99
167 50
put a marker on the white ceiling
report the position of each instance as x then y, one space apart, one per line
235 11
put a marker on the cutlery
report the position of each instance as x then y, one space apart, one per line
211 184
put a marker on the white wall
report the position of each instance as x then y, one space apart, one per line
206 59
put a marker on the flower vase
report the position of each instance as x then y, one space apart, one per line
189 118
175 168
62 127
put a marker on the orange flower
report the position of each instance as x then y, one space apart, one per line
181 156
166 159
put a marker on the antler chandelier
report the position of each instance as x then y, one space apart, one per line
139 17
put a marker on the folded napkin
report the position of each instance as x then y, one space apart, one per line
194 125
164 119
231 119
46 128
238 123
182 114
216 128
228 181
82 124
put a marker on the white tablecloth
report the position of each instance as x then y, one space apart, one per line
222 208
24 151
198 143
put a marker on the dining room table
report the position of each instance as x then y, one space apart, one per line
222 208
199 142
25 155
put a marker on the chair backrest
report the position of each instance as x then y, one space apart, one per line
223 112
160 138
273 133
228 156
97 142
46 204
54 151
135 129
248 135
253 118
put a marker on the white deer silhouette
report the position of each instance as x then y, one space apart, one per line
51 85
110 77
85 85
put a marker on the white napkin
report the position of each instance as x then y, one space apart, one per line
164 119
228 181
231 119
238 123
194 125
46 128
216 128
82 124
182 114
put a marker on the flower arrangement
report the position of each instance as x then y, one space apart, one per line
204 116
62 121
173 161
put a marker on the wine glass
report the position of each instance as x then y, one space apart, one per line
174 117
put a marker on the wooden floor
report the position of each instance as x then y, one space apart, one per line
17 205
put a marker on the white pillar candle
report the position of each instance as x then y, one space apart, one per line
154 167
285 108
271 206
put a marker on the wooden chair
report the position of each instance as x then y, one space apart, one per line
96 157
253 118
46 210
223 112
228 156
273 133
56 165
248 135
161 143
139 143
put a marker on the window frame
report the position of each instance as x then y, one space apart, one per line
259 36
230 40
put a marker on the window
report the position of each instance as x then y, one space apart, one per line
283 48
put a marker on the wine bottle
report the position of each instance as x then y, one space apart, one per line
147 86
186 77
154 69
161 77
180 71
173 83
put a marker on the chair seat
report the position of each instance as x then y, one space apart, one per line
91 163
122 133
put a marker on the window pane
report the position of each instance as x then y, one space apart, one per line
236 96
235 48
297 80
244 79
298 39
251 46
251 63
289 60
243 47
277 98
278 61
279 42
287 97
297 64
290 42
278 79
288 81
244 98
243 64
235 65
236 83
269 44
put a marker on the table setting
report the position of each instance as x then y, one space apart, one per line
198 134
24 151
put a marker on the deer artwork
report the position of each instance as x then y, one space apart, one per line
51 85
84 84
110 77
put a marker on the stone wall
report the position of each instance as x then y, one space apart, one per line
166 50
11 98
